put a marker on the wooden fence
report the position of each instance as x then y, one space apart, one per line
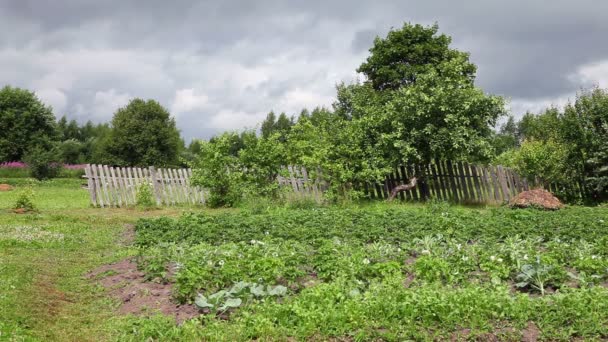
451 181
117 186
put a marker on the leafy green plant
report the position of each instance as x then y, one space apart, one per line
144 196
239 293
25 199
535 275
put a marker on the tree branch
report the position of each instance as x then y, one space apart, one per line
403 187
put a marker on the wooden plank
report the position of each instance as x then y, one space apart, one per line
476 183
463 182
402 176
182 182
112 198
510 182
453 180
178 185
100 199
308 183
132 184
470 181
188 199
166 197
170 187
425 185
292 179
102 176
174 187
125 185
191 190
503 184
396 182
442 173
116 190
90 184
482 183
411 171
485 181
299 182
155 186
496 184
438 184
121 186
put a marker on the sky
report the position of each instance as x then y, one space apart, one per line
223 65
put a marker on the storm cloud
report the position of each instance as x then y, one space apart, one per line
224 64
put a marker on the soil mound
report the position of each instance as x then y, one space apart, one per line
5 187
538 198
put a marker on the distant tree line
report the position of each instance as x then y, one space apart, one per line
142 133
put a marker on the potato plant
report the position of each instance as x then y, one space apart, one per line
388 273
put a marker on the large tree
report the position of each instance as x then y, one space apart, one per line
25 124
405 54
143 134
419 102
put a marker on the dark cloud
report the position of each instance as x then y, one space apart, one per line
223 64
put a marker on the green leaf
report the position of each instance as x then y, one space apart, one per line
278 290
257 290
201 302
231 303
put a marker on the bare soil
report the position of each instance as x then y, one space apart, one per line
530 333
5 187
126 283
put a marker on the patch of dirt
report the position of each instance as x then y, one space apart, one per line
128 236
537 198
409 280
460 335
5 187
411 260
530 333
306 281
139 297
20 211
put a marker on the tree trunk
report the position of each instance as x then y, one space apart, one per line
403 187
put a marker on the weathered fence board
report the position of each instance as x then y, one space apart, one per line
117 187
446 180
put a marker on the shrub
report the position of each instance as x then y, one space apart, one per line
25 199
42 163
144 197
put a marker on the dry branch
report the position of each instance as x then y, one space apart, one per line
402 187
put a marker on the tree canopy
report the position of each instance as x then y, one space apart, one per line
142 134
405 54
25 124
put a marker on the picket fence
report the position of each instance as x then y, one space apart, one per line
117 186
459 182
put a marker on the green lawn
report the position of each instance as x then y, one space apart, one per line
379 271
44 256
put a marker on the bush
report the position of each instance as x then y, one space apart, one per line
144 197
546 160
25 200
42 163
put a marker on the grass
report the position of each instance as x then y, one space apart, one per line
45 255
381 271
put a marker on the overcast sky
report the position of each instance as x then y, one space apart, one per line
224 64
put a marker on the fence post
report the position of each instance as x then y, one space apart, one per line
154 184
91 184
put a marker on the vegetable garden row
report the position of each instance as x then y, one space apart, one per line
387 272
